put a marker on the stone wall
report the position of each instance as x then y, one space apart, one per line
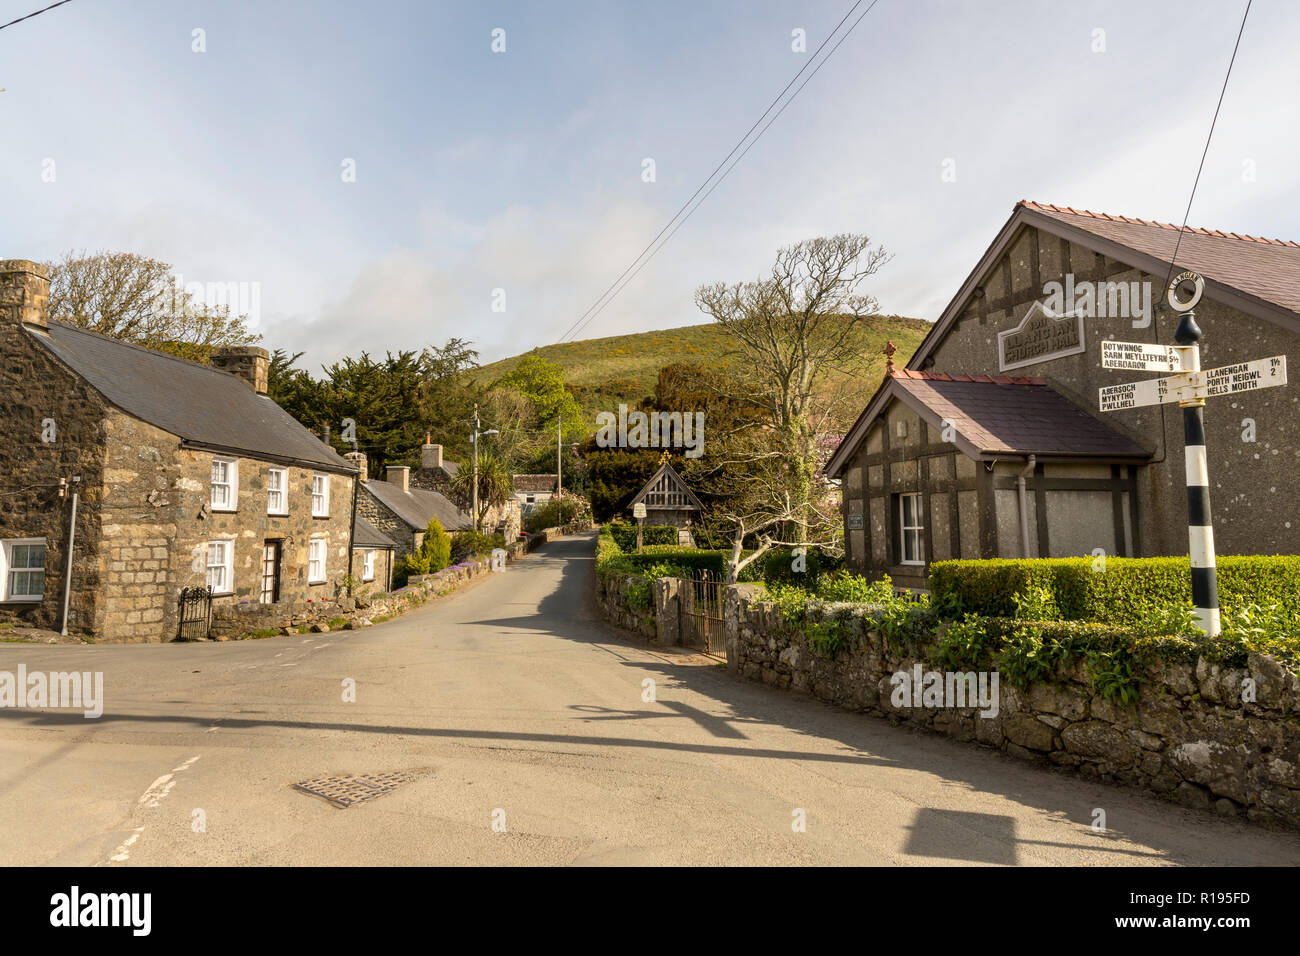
1190 737
40 398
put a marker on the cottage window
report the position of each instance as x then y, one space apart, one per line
221 559
911 538
24 575
316 561
320 496
277 483
368 566
225 484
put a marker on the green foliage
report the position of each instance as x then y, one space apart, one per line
542 382
495 484
624 533
558 511
961 645
779 566
615 475
1126 591
844 585
468 544
637 594
432 556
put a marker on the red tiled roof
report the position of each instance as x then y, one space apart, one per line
1268 269
1012 416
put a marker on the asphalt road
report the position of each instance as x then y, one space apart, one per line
524 716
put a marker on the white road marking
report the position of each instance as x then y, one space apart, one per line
124 850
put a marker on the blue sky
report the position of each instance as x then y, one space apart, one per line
522 170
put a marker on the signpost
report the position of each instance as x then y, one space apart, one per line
638 512
1190 387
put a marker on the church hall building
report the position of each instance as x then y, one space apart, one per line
990 443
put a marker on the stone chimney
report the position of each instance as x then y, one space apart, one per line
430 455
248 362
358 459
399 475
24 293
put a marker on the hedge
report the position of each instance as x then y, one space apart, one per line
624 534
610 558
1123 592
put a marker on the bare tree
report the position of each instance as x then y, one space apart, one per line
135 298
798 322
791 327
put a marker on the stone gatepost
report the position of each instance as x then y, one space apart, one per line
668 613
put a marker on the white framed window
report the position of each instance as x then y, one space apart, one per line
368 566
320 496
911 531
24 569
221 567
225 484
316 561
277 491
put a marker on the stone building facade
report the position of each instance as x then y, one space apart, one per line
186 476
977 449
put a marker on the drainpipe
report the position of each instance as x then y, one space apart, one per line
72 537
1030 463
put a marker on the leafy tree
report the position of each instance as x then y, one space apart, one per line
495 485
542 383
137 299
433 554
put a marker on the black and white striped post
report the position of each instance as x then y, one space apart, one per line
1200 529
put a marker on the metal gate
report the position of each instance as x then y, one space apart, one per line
702 596
196 614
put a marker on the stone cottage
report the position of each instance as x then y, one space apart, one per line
402 512
991 443
532 491
373 556
183 475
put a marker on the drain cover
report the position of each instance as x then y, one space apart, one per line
353 788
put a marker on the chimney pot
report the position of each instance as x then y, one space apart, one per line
430 456
399 475
24 293
249 363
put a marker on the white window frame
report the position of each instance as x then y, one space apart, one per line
231 483
312 544
282 491
916 531
7 568
368 565
323 510
228 565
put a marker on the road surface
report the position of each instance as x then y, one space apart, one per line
522 718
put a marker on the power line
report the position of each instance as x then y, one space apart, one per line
37 13
733 165
586 317
1209 136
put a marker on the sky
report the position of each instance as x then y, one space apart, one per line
496 195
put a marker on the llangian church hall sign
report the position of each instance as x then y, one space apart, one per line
1040 337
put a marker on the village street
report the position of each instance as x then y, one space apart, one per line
522 710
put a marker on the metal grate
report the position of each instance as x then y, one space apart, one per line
195 614
352 788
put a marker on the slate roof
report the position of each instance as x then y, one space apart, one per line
366 535
417 506
198 404
994 416
1013 416
1268 269
531 484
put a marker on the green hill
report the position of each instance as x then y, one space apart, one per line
624 368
